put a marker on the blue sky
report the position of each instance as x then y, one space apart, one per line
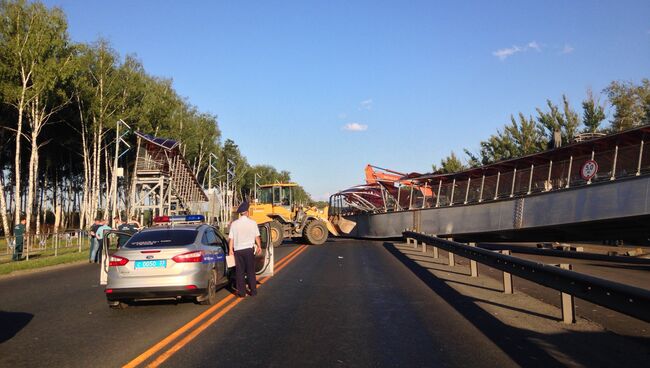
323 88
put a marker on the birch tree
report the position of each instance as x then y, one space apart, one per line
98 94
35 45
3 206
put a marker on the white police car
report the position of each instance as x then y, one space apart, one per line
179 257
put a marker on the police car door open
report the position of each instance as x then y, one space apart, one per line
110 246
264 261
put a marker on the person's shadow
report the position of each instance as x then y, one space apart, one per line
11 323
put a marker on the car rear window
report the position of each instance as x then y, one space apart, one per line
162 238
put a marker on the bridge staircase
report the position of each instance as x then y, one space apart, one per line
163 180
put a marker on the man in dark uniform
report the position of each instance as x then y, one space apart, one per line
124 227
94 245
19 233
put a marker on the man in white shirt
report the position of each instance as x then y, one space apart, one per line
244 242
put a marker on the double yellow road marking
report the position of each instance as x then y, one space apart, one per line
201 327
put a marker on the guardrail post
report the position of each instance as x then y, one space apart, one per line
452 260
435 249
415 243
56 245
424 247
473 266
451 256
507 277
568 307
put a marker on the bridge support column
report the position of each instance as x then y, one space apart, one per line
507 278
568 307
473 266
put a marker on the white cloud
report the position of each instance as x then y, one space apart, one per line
355 127
366 104
567 49
534 45
503 54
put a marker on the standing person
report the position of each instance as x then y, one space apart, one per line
100 240
124 227
244 242
93 241
19 233
135 223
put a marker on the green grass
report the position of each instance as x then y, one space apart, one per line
9 267
39 258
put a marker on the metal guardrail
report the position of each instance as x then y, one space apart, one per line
565 254
622 298
47 241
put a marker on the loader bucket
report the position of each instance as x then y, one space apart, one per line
344 225
332 228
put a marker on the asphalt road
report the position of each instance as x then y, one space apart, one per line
347 303
350 304
60 318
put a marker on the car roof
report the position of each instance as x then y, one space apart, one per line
177 227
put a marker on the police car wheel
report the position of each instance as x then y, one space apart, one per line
211 296
117 305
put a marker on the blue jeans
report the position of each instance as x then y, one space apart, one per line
94 247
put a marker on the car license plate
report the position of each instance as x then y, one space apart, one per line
154 263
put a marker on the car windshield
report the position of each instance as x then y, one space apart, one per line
162 238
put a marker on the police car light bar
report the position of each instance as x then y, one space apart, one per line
179 218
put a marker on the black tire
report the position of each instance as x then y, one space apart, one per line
315 232
211 296
276 233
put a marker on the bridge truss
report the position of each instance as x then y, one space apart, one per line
163 181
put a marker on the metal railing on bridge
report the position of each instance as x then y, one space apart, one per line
622 298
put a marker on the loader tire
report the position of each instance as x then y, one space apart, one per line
315 232
276 233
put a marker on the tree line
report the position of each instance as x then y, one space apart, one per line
60 103
530 134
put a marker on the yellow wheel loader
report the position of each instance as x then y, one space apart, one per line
275 205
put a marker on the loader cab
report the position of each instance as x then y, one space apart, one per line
276 195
